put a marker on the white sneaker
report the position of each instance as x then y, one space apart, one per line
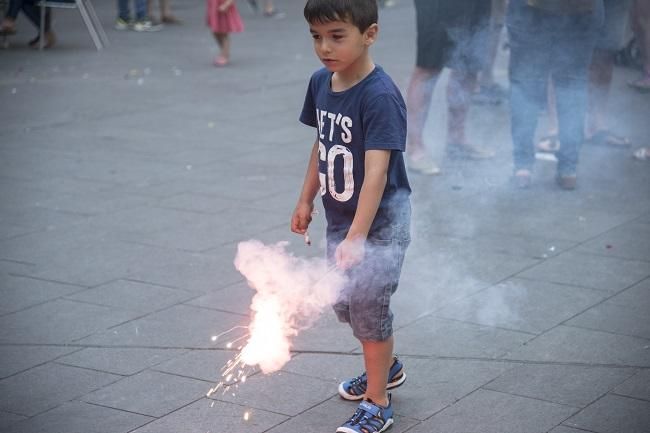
423 165
146 26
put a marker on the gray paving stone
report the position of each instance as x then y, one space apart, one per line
493 412
589 270
206 365
568 344
636 297
331 414
440 337
629 241
193 272
522 305
432 385
149 393
614 414
78 417
637 386
59 321
133 295
333 368
8 420
563 384
39 389
614 318
563 429
235 298
196 203
178 327
117 360
261 392
209 416
19 358
20 292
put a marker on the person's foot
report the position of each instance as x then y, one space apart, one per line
522 178
642 154
469 151
548 144
566 181
642 84
50 40
7 27
274 13
170 19
122 24
146 25
254 6
355 388
423 165
220 61
369 418
604 137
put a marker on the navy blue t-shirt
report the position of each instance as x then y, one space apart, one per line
370 115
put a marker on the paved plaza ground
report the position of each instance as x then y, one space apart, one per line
129 176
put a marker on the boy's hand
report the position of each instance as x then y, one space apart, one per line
301 217
350 253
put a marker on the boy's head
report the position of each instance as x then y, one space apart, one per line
360 13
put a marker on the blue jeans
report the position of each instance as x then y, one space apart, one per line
543 46
365 300
125 13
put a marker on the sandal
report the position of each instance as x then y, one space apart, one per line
642 154
549 143
170 19
220 61
642 84
608 138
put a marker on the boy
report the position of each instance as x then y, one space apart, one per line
357 166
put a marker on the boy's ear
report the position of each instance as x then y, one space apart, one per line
370 35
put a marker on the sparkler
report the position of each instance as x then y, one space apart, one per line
291 292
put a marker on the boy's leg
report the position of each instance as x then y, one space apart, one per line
123 10
378 357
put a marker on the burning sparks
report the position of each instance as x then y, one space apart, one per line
291 294
247 415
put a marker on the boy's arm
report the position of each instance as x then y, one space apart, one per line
302 214
350 252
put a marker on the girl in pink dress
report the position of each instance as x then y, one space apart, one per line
223 18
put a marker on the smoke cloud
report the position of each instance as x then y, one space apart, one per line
292 292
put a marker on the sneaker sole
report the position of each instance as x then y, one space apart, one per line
350 397
389 423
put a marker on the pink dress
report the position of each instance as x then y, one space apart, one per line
223 22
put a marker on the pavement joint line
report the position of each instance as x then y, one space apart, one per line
618 334
119 409
577 408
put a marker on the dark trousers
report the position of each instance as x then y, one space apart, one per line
559 47
31 11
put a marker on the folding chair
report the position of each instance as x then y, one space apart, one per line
88 14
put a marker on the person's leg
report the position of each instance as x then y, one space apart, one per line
33 12
418 101
572 57
641 28
140 10
378 357
223 41
601 72
529 72
8 24
123 11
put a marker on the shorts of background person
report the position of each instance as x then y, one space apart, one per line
614 33
452 33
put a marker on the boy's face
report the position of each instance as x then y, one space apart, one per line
339 44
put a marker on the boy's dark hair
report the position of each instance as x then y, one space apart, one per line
360 13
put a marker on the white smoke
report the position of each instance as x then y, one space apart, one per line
291 294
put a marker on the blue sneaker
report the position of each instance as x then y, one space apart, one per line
369 418
355 389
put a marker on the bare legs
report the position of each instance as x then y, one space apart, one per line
378 357
459 90
223 40
418 100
